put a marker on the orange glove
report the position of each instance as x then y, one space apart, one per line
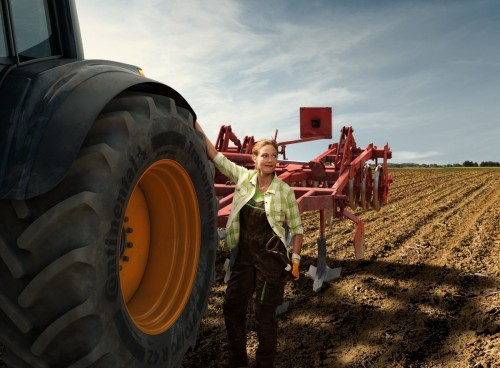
295 265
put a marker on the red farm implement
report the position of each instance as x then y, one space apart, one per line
337 180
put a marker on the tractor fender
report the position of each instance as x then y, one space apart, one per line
71 112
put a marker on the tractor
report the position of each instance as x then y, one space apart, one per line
108 213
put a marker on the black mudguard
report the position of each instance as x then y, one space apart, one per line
46 113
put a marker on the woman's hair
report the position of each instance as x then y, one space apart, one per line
263 142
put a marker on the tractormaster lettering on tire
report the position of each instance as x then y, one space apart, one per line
112 268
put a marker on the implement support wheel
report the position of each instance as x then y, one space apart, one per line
354 191
378 188
366 187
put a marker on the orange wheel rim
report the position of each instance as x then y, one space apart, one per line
160 246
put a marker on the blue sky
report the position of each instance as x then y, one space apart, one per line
423 76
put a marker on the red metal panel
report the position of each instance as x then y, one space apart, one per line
316 122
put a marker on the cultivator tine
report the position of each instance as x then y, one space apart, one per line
359 236
282 308
322 273
359 241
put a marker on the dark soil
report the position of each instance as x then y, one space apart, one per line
426 294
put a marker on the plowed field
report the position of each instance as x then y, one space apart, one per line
426 294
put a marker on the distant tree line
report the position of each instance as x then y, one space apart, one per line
482 164
465 164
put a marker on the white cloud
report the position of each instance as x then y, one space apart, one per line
398 72
411 156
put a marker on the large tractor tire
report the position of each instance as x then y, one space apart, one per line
113 267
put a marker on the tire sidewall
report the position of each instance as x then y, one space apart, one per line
175 140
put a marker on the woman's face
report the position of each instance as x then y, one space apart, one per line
266 160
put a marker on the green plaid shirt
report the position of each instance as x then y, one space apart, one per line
279 201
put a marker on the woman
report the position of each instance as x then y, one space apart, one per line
262 204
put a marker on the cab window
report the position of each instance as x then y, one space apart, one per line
3 38
35 35
4 49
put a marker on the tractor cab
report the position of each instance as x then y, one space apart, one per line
31 31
